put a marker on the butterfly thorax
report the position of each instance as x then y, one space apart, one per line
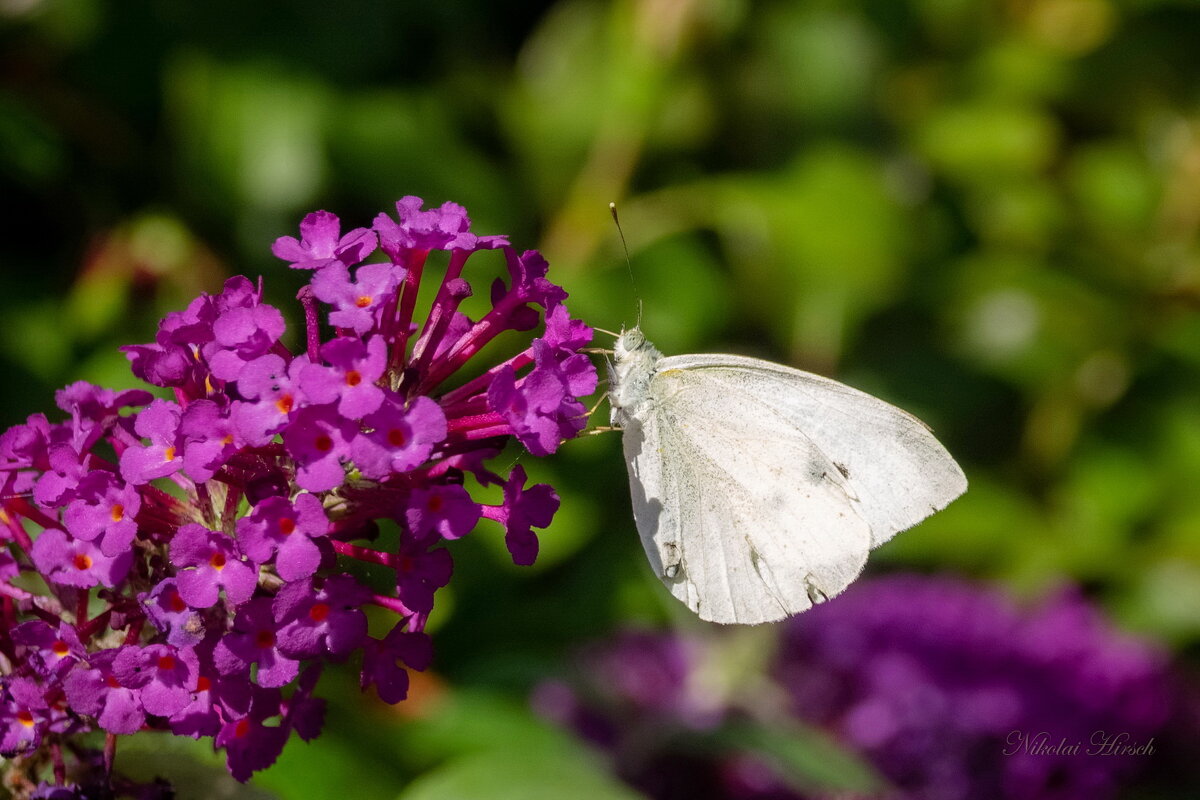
629 376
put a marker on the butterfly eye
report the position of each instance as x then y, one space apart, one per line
632 339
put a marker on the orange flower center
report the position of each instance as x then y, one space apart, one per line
287 525
318 612
217 561
353 378
82 561
118 512
363 300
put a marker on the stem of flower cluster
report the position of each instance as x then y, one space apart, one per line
478 385
366 554
8 591
60 765
81 606
390 603
413 267
312 327
19 507
469 425
233 498
472 342
204 500
87 629
449 296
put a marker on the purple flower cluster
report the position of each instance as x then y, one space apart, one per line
191 551
950 692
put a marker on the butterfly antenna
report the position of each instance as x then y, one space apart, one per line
612 209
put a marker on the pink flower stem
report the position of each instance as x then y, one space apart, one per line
492 324
479 384
60 766
233 498
366 554
204 500
10 592
390 603
414 265
441 313
312 324
19 506
96 623
110 753
503 429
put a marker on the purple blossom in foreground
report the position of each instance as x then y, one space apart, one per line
196 550
950 692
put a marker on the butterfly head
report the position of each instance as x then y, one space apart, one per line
629 376
630 341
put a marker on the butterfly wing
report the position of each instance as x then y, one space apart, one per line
892 464
741 514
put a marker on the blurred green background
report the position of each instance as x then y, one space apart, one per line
985 212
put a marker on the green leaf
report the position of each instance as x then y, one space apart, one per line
479 744
803 756
474 720
508 773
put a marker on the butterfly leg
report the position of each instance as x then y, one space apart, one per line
600 429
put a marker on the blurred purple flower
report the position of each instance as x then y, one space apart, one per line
946 687
948 690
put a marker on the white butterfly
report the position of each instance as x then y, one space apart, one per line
759 489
